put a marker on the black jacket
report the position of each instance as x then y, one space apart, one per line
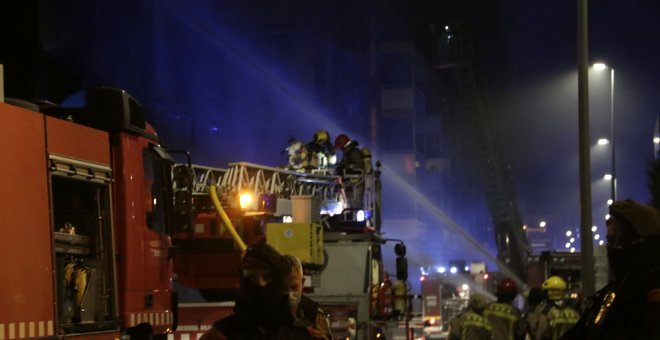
629 307
237 327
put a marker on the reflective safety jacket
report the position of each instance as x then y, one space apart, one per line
554 321
505 320
561 320
469 326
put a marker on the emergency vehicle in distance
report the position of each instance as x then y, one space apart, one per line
105 216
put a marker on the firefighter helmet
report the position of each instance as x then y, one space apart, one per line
321 136
507 287
341 141
477 301
633 232
634 222
556 288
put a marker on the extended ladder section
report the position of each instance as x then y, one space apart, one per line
266 182
511 240
259 179
204 177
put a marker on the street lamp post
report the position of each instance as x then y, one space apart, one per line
613 183
583 145
602 67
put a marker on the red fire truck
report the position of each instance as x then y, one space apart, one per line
86 209
105 215
299 213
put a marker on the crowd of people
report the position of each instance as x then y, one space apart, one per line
320 155
270 303
627 308
500 319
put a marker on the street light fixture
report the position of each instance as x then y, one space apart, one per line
603 67
600 66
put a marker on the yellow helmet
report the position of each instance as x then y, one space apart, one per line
321 136
556 288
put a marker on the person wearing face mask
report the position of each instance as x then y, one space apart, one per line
262 310
307 312
629 306
553 317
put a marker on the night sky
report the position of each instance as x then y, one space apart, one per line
538 97
233 80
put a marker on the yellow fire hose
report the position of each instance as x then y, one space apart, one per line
225 218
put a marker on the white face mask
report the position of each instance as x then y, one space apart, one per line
294 298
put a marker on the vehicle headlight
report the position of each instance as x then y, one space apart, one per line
360 216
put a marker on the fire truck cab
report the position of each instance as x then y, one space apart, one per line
86 208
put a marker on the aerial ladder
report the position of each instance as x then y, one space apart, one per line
510 238
248 197
243 177
336 240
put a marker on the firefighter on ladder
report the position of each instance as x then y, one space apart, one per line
297 154
352 165
320 152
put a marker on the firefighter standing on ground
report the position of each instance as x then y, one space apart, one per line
471 324
505 320
307 312
553 317
262 310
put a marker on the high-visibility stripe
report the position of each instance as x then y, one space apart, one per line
155 319
505 315
185 336
26 329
